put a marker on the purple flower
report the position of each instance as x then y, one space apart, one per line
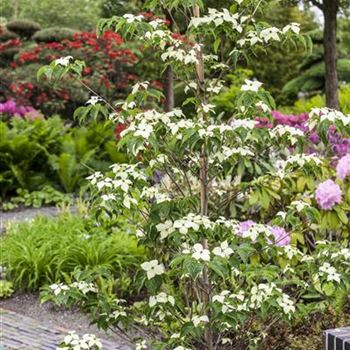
10 107
244 226
282 238
328 193
343 167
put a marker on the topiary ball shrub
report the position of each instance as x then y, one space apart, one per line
55 34
6 35
24 28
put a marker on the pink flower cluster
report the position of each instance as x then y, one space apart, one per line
281 237
328 194
343 167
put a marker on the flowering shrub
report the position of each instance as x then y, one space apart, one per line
108 71
216 280
10 109
72 341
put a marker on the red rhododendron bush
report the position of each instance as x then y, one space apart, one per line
109 67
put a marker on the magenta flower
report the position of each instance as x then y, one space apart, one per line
343 167
328 193
282 238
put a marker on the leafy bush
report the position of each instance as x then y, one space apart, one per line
313 78
6 289
306 104
55 34
108 69
49 249
35 152
24 28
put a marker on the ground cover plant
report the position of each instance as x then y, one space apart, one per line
246 225
45 250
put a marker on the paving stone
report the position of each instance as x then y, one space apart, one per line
19 332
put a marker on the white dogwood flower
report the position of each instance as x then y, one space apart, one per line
161 298
165 229
94 100
130 18
294 27
63 61
223 250
152 268
200 253
58 288
330 271
140 346
197 320
251 85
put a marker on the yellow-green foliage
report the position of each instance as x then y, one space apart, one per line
318 101
48 249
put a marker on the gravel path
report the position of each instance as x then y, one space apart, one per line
27 318
25 215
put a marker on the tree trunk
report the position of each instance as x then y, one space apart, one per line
330 10
206 286
169 89
168 77
15 9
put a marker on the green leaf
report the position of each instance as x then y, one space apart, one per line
192 267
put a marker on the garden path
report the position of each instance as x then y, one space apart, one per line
22 332
26 214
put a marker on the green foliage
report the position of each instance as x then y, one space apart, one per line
6 289
39 152
23 148
48 35
36 199
226 100
47 249
278 64
318 101
24 28
313 78
80 14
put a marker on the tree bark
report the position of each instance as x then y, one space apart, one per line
168 76
330 10
206 295
169 89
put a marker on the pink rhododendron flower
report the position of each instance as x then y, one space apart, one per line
282 238
328 193
343 167
245 226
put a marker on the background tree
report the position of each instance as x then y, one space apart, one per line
330 10
78 14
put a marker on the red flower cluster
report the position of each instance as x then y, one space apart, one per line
10 44
108 61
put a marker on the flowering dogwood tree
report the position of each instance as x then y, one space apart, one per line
210 197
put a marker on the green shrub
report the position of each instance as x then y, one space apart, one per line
24 146
319 101
6 289
53 34
313 78
48 249
24 28
40 152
